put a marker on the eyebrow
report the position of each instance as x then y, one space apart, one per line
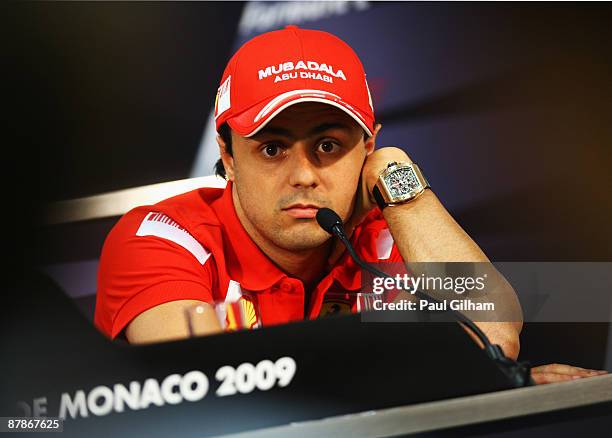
273 130
326 126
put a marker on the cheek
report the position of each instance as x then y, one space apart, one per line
343 188
256 197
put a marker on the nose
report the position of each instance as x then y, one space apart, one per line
303 171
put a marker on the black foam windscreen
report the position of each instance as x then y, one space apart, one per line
327 219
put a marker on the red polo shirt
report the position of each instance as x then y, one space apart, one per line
193 247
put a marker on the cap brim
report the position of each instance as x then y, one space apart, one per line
251 121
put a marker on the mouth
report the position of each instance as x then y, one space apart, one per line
302 211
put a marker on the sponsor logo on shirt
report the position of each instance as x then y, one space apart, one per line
336 301
335 307
241 315
160 225
238 311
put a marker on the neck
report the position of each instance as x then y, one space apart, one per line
306 265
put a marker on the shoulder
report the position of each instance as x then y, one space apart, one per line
175 216
181 228
157 254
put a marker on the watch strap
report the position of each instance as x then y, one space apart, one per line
378 197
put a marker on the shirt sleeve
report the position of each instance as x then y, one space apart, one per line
395 256
147 260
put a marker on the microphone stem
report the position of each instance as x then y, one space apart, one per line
518 372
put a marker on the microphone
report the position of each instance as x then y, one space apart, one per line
519 373
329 220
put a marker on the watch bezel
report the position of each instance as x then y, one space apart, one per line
393 167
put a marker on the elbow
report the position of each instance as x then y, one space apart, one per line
504 334
509 340
512 347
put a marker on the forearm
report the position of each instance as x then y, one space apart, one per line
172 321
424 231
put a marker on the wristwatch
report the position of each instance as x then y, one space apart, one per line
399 183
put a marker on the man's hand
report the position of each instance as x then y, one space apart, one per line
556 372
373 166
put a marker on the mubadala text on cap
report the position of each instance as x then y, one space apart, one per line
289 66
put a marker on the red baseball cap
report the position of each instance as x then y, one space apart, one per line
282 68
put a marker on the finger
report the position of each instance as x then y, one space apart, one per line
555 368
571 371
544 378
566 369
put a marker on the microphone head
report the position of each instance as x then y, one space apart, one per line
327 219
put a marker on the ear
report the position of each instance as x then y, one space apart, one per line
370 144
228 160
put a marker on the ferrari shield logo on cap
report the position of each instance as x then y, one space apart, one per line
223 99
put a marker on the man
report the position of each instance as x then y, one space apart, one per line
297 133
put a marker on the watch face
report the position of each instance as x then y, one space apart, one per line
402 182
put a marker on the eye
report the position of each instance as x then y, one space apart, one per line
271 150
328 147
